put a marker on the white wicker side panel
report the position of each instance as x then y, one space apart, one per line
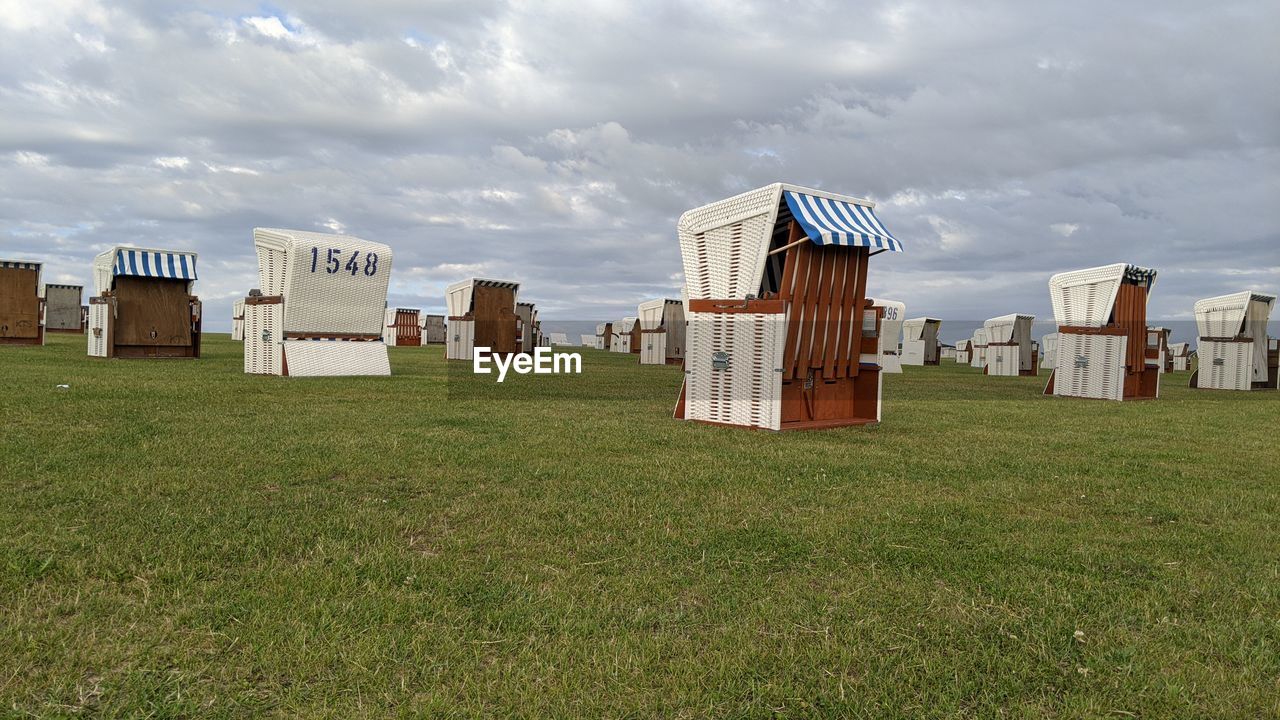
1002 360
1180 363
1090 366
653 350
1226 365
977 358
389 331
962 357
335 358
723 245
588 341
262 333
272 268
649 314
237 328
99 321
748 390
913 352
460 339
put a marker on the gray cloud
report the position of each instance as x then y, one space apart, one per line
556 143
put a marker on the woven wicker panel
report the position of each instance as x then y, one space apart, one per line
350 300
102 271
460 340
748 391
913 352
1226 365
263 333
1222 316
650 313
653 350
335 358
1090 366
97 331
724 245
1048 350
1085 297
1002 360
621 340
389 332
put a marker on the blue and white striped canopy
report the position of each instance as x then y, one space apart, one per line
150 263
834 222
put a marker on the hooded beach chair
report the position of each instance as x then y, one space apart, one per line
780 333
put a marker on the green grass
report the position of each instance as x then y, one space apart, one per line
179 539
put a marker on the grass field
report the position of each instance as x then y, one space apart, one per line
179 539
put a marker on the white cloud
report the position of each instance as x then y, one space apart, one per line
30 159
176 162
269 26
1065 229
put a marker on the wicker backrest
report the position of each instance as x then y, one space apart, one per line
1226 316
1085 298
652 313
724 245
332 284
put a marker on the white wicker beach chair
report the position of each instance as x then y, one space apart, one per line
322 307
1048 350
482 312
892 331
1101 350
978 349
237 320
1009 350
1233 349
624 332
920 341
780 333
662 332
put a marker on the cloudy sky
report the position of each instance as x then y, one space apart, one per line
556 143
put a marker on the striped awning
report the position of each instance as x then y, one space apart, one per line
1140 275
152 263
835 222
